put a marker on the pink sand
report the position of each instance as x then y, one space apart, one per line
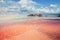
30 30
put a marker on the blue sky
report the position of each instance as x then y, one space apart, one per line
16 0
46 2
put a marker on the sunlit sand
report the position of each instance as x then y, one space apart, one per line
31 30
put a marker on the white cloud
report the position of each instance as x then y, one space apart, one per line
58 10
1 0
26 3
53 5
44 10
54 8
30 6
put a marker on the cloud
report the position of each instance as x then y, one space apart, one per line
1 0
31 6
45 10
27 3
53 5
55 8
58 10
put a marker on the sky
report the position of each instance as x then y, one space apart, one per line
34 6
10 9
45 2
48 1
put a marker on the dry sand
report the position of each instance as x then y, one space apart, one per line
31 30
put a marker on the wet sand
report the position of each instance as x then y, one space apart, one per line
31 30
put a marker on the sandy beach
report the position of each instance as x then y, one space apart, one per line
31 30
29 19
